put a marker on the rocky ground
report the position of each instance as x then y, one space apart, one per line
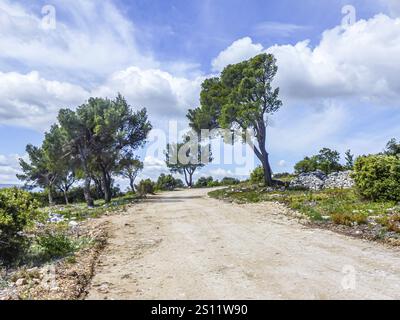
318 180
66 279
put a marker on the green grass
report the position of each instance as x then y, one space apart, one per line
54 240
80 211
344 207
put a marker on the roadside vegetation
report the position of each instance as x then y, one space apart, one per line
372 206
69 180
36 238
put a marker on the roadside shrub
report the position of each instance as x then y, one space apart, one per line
17 210
179 184
257 176
349 219
285 176
326 160
204 182
55 245
145 187
228 181
377 177
166 183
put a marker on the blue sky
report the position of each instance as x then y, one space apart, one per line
340 86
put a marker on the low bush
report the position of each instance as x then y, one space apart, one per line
167 183
145 187
326 160
377 177
349 219
17 210
204 182
257 176
228 181
55 245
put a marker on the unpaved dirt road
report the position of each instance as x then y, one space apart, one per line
183 245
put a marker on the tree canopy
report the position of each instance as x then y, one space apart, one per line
186 157
94 143
242 97
326 160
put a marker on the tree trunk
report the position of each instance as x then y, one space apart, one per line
86 192
132 185
106 186
66 196
267 171
186 178
50 195
262 154
191 179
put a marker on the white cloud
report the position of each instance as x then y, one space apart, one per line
160 92
32 101
9 168
282 163
238 51
153 167
298 130
91 38
361 61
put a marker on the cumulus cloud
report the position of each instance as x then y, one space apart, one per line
32 101
361 60
238 51
160 92
90 39
92 52
305 128
282 163
9 168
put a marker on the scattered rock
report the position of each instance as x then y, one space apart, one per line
339 180
20 282
318 180
311 180
55 218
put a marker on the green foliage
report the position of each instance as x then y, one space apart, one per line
17 210
228 181
243 96
129 167
393 148
209 182
306 165
187 157
55 245
284 176
204 182
327 161
145 187
341 206
99 134
257 176
349 158
167 183
377 177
